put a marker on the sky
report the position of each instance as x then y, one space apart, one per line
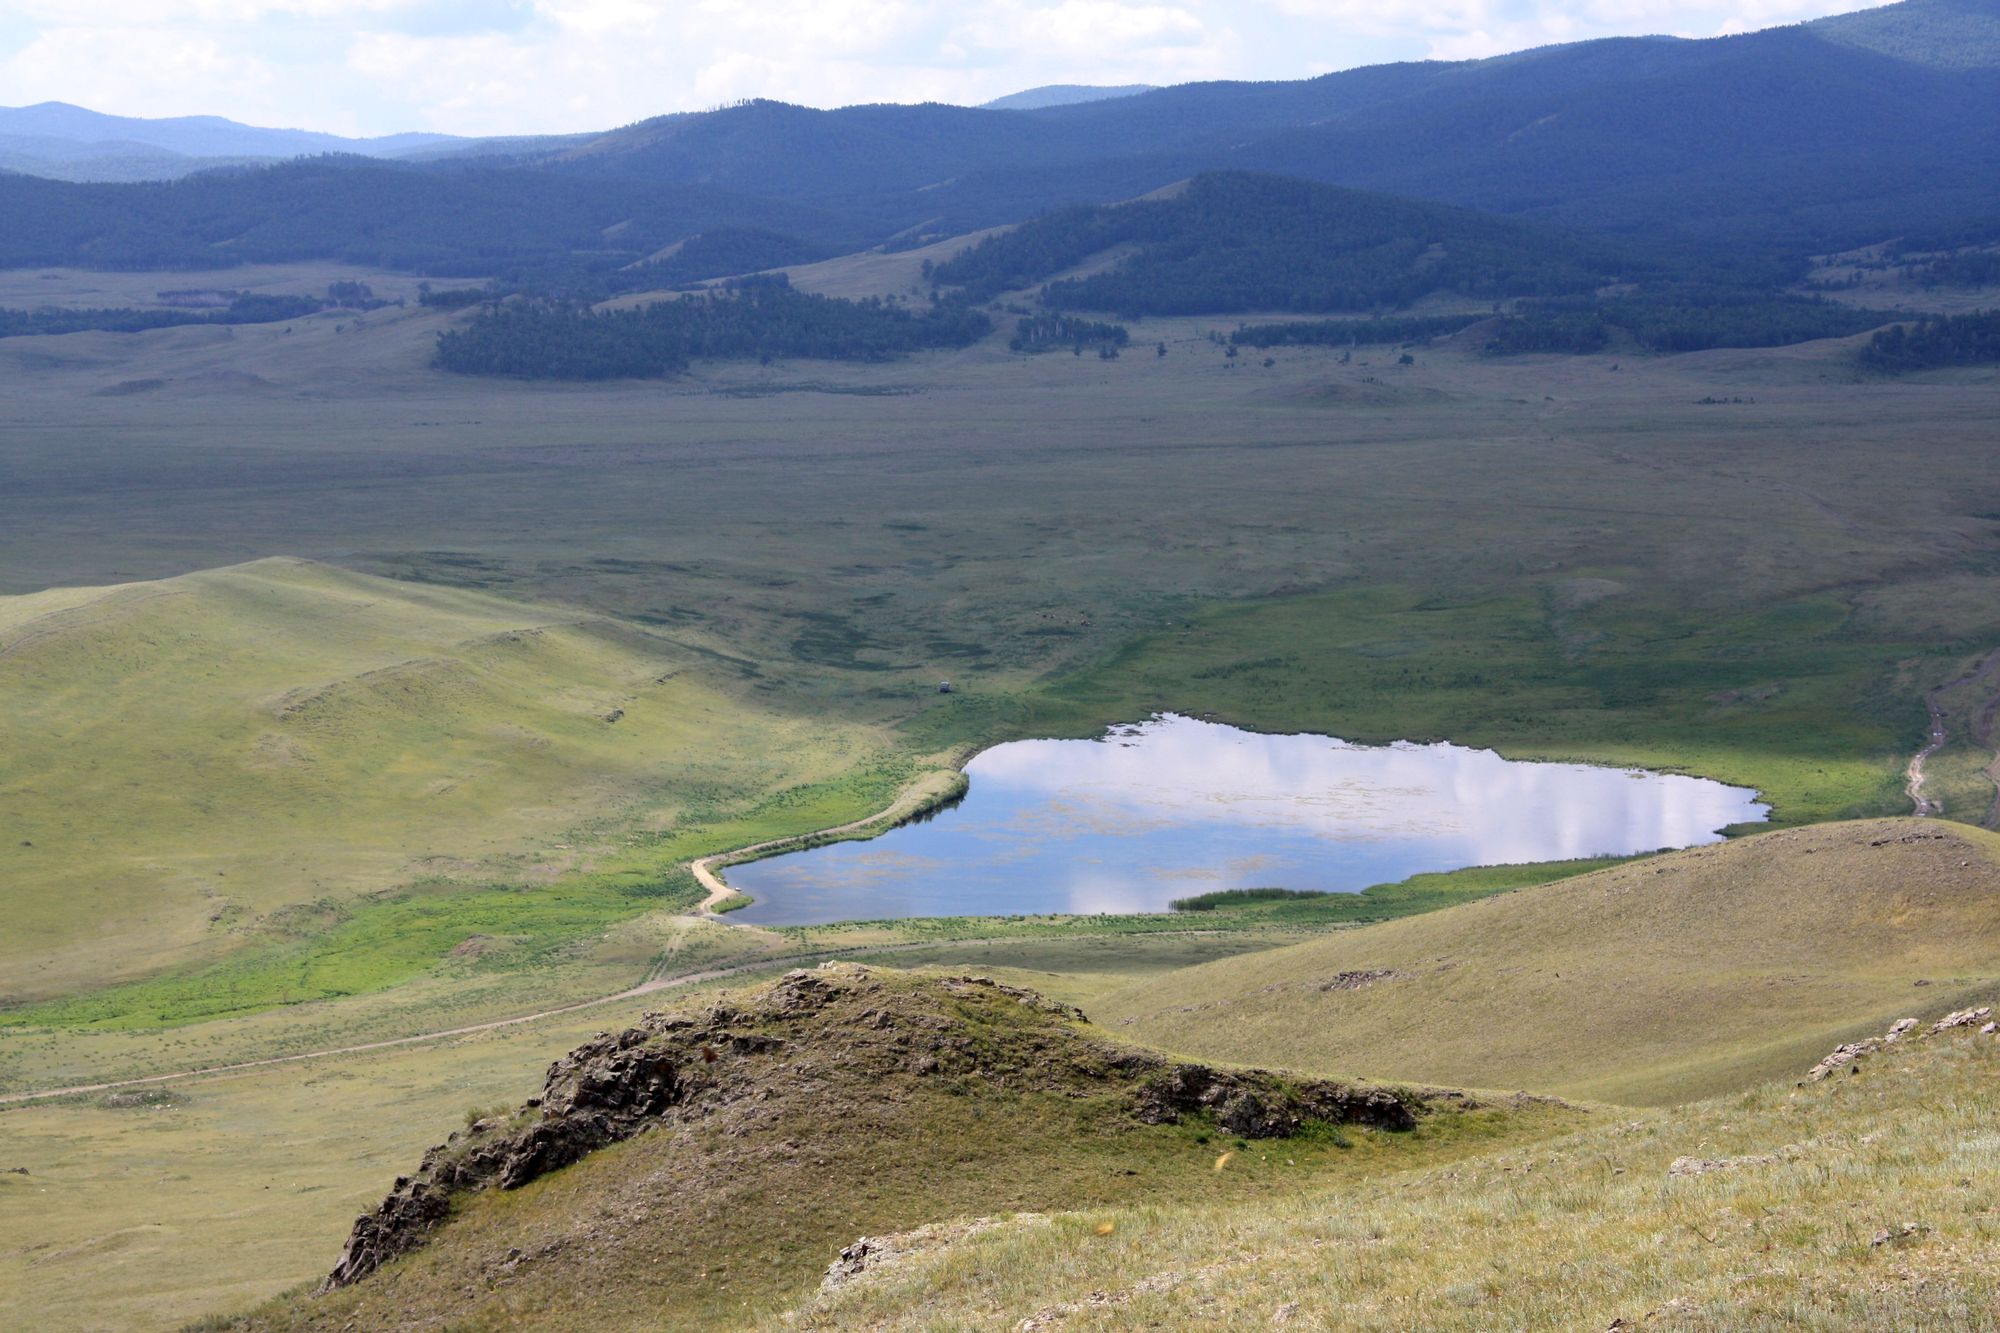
483 67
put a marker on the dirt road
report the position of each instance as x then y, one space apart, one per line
1927 806
926 790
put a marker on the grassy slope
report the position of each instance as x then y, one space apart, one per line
726 1217
240 757
1658 981
1576 1233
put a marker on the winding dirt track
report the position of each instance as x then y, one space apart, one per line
1927 806
647 987
926 789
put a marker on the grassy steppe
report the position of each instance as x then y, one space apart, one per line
346 779
1656 981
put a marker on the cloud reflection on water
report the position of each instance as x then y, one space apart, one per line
1178 806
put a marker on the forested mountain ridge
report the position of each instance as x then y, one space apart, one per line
446 221
1782 142
1764 136
1953 34
1311 248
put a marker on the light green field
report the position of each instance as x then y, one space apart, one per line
1658 981
246 759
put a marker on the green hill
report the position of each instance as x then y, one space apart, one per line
230 760
1659 981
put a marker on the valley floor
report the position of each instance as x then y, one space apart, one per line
373 703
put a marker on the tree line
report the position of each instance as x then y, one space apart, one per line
244 309
1048 332
1950 340
754 319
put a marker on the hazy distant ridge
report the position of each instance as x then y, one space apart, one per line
1064 94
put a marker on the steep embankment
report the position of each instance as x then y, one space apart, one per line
1665 980
700 1170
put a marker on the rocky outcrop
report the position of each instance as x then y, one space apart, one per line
1847 1055
879 1028
874 1255
1963 1018
1262 1106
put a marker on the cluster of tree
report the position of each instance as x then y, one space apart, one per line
244 309
1680 319
1046 333
751 320
451 298
1952 340
1234 242
725 252
348 294
1352 332
1978 268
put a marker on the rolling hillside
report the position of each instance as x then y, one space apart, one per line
1677 977
231 760
1856 1203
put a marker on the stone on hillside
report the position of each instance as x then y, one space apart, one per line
1962 1018
1842 1056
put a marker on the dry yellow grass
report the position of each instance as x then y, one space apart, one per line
1868 1202
1659 981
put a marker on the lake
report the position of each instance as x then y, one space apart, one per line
1175 806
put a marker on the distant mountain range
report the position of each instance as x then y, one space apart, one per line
1063 94
74 143
1873 125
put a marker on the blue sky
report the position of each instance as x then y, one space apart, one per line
522 66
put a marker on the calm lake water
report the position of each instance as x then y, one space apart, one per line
1175 807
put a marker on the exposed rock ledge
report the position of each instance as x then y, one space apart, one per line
674 1070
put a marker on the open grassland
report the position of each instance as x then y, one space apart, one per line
1863 1202
1657 981
153 1207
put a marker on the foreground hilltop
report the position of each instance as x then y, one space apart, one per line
1662 980
1864 1201
703 1168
